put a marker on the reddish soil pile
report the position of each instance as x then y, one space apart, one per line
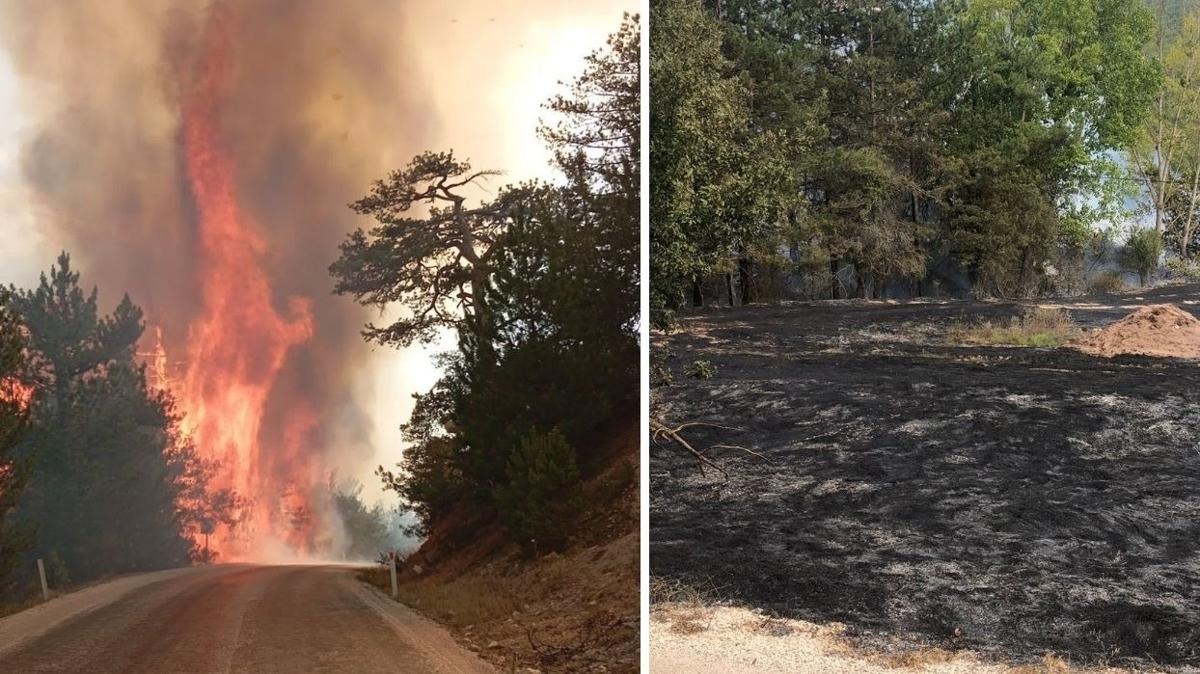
1162 330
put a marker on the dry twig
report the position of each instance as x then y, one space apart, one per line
659 429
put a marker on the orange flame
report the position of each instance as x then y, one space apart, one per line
239 342
12 390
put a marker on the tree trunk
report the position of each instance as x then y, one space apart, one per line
729 287
483 317
834 287
745 269
1185 242
1022 274
1163 167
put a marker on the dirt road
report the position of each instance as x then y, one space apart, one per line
235 618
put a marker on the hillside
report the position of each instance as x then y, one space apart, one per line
575 611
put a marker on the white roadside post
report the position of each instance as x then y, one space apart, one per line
45 587
391 564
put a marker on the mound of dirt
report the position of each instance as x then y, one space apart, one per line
1162 330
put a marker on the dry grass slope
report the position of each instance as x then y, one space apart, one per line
571 612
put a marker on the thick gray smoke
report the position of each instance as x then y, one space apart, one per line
320 102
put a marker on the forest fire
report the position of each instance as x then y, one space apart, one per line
203 164
15 391
239 342
214 149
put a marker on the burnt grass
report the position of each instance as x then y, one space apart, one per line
1008 500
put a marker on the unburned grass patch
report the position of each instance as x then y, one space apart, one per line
1038 327
1108 283
672 592
1050 664
687 621
770 626
685 609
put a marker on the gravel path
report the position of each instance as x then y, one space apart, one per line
739 641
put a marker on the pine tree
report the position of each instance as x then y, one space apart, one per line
105 480
15 537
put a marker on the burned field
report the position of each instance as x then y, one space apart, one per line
1008 500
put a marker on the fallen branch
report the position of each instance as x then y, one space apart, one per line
744 449
659 429
828 435
702 423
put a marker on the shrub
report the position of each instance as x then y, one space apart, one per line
1034 327
660 371
56 571
701 369
1108 283
1141 253
1184 269
544 493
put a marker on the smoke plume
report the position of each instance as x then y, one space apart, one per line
200 157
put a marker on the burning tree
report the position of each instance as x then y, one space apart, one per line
240 342
14 414
201 506
111 475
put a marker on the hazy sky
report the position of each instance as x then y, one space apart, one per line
487 70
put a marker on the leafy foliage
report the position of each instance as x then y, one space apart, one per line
717 184
598 134
1141 252
430 479
543 495
435 267
701 369
365 529
908 134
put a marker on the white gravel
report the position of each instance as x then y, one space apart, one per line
725 640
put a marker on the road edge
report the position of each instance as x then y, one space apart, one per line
25 626
434 641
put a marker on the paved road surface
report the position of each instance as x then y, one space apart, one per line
234 618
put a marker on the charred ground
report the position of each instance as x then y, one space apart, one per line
1007 500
